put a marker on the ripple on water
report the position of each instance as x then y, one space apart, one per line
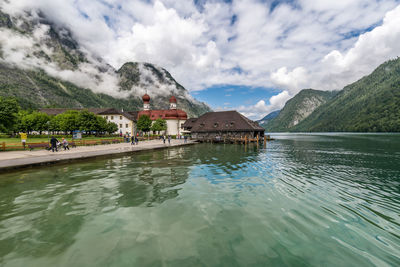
303 201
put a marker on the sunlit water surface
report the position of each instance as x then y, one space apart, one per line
304 200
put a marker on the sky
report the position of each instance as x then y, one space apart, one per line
247 55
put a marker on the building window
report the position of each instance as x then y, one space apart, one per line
106 117
126 126
112 117
120 117
120 125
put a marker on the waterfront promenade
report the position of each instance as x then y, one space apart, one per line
20 159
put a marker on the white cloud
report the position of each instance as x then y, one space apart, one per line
292 80
261 108
312 44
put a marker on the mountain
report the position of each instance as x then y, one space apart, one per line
42 65
264 121
371 104
298 108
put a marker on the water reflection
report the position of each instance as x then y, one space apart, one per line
41 211
305 200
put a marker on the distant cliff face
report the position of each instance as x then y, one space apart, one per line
42 65
298 108
372 104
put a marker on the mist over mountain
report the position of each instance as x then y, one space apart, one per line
43 65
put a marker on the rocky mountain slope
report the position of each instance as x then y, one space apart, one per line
371 104
43 66
297 109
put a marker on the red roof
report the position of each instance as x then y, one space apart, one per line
167 114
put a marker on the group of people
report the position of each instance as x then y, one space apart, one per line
55 144
134 140
164 138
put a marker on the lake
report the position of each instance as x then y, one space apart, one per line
304 200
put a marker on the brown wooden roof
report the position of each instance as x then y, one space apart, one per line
189 123
225 121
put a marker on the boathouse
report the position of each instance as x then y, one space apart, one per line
223 125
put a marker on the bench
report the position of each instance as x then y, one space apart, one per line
72 144
42 145
116 141
88 143
105 142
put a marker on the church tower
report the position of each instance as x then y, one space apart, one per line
172 102
146 102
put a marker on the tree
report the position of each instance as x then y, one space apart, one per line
40 121
101 124
159 125
111 127
87 121
68 121
8 114
144 123
35 121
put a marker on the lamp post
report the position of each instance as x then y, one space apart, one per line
48 131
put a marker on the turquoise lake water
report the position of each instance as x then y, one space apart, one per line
304 200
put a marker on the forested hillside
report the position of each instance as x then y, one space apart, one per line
371 104
297 109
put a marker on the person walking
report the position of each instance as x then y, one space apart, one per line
132 140
163 138
169 139
137 140
185 138
65 144
53 142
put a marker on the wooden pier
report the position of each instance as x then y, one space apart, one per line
237 140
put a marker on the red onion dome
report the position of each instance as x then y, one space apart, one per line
182 114
172 99
172 113
146 98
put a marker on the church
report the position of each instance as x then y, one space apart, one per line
174 117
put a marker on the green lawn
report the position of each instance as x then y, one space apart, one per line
39 140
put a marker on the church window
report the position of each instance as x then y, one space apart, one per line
120 117
126 125
112 117
120 125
